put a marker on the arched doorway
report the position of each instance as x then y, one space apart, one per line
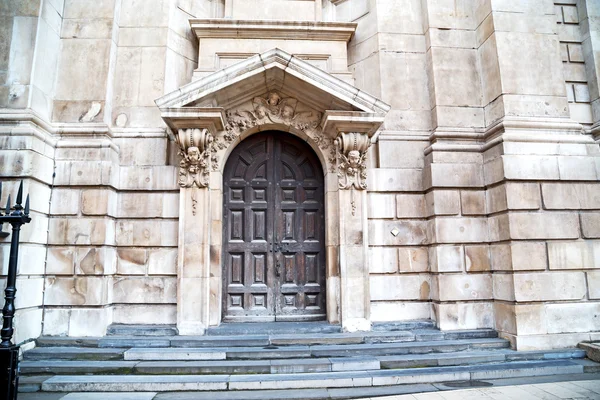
273 231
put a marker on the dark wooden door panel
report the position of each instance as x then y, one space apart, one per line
274 253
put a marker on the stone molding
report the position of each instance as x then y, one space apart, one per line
514 129
271 29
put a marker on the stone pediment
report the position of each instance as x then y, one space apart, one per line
274 70
272 91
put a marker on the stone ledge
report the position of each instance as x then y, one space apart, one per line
270 29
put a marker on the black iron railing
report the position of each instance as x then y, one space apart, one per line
9 352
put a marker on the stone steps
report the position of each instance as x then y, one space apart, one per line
167 383
219 367
266 352
305 365
279 339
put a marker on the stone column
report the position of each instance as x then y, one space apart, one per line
353 230
194 231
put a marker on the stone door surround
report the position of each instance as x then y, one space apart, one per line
272 91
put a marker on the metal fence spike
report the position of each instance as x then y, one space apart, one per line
8 205
20 194
27 205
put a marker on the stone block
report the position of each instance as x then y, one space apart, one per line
95 231
462 287
411 152
496 199
89 9
91 322
382 205
61 261
162 261
28 324
95 261
456 175
523 196
452 67
447 258
477 258
136 13
56 321
148 178
98 202
544 226
593 281
145 314
443 202
571 318
83 61
503 287
530 167
399 287
399 311
536 52
549 286
461 230
383 260
472 202
78 291
577 168
411 259
456 316
574 255
410 206
394 180
65 202
147 233
590 225
131 261
571 196
31 292
519 256
394 233
139 290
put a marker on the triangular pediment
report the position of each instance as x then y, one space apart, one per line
274 70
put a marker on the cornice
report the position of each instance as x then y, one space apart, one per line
267 29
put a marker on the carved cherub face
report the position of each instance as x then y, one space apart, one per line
287 112
193 154
273 99
353 157
261 112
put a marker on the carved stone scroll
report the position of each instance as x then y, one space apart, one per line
352 160
194 149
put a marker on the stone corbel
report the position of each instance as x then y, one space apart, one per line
352 160
194 149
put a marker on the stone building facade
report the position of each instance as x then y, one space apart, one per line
359 161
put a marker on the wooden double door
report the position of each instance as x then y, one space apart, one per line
273 231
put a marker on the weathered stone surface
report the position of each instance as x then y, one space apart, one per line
447 258
574 255
549 286
462 287
400 287
544 226
413 259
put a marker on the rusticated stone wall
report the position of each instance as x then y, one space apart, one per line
483 193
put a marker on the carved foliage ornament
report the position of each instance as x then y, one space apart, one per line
352 160
272 109
194 148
